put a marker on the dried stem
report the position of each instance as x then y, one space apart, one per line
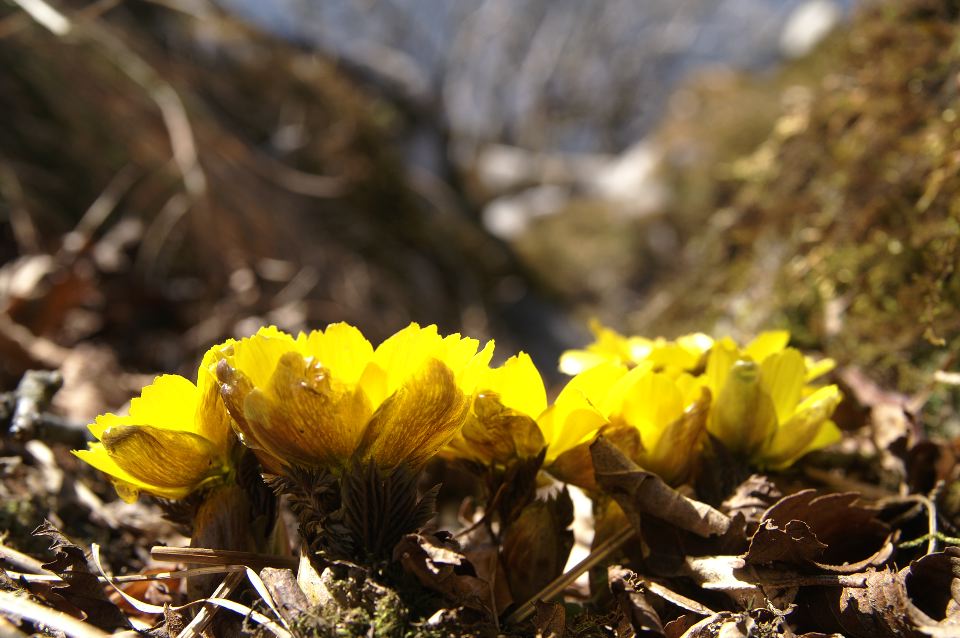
563 581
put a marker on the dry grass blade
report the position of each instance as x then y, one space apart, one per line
255 616
14 605
205 556
139 605
22 561
46 16
261 588
552 590
134 578
205 616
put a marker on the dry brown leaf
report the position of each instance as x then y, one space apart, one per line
875 611
535 547
439 566
81 588
640 616
640 492
752 498
748 624
290 600
831 532
729 574
551 620
933 588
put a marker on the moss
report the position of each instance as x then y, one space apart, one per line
842 223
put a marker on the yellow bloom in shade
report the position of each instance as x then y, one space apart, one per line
764 409
685 354
176 438
501 425
328 397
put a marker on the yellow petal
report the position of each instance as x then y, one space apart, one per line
257 356
417 420
494 433
518 385
169 402
816 368
573 362
235 387
403 354
696 342
305 416
594 384
162 460
471 375
782 376
653 402
212 419
743 417
808 429
766 344
127 486
569 422
674 452
719 364
340 348
674 356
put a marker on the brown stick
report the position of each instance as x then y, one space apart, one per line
205 556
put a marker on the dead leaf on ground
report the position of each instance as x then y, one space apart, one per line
551 620
640 492
831 532
637 614
752 498
731 576
921 600
933 588
439 566
535 547
81 587
726 624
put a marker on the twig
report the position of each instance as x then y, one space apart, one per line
205 556
205 616
24 230
19 605
844 484
78 239
46 16
21 561
135 578
160 229
563 581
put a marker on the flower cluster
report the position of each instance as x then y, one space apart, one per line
756 400
321 400
328 400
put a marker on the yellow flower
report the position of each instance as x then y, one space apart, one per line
501 425
670 415
575 416
327 397
763 408
176 438
575 419
685 354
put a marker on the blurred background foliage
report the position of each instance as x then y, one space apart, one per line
181 171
